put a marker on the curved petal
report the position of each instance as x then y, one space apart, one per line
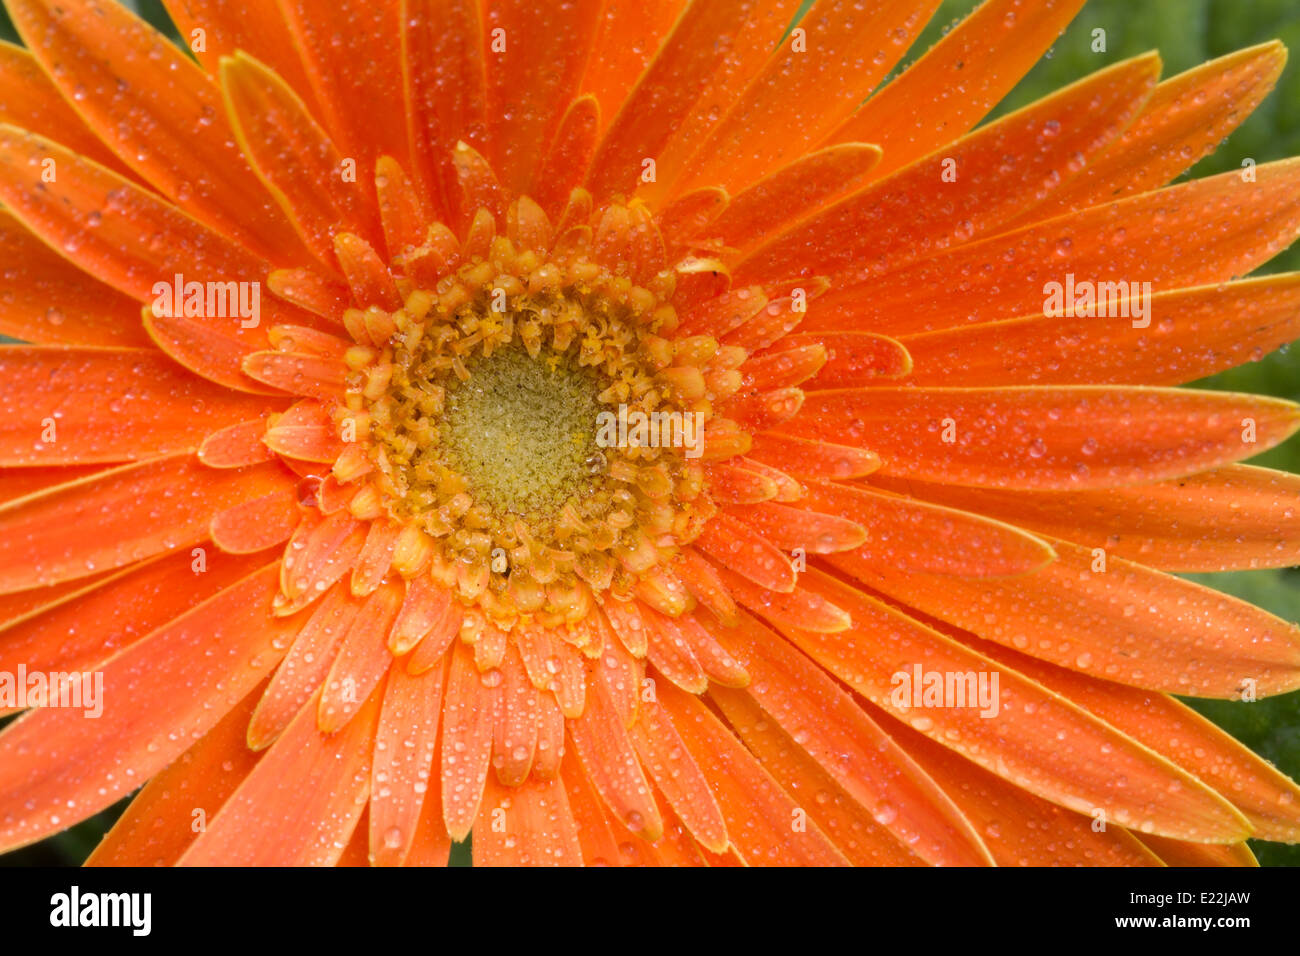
919 210
67 406
1228 518
959 79
318 784
56 767
119 516
166 816
1046 437
1109 617
92 50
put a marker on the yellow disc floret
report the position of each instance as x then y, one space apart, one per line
494 408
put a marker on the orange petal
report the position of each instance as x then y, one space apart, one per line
357 852
677 847
406 743
294 157
1269 800
400 210
514 741
761 820
811 459
1197 233
1015 823
961 78
120 516
623 675
433 646
231 25
757 32
309 290
164 819
423 607
1185 120
304 667
601 844
368 277
845 822
527 825
755 412
836 732
718 314
1047 437
442 51
1125 623
363 659
24 605
1183 335
685 217
315 376
670 651
489 642
775 203
1182 853
670 86
52 301
469 716
319 553
532 80
920 210
809 85
803 528
1013 727
82 629
628 621
800 608
854 359
608 758
20 482
1233 517
550 738
93 52
235 446
664 754
375 559
358 84
432 845
916 536
62 405
158 696
568 156
783 368
704 582
773 321
318 784
125 236
203 350
478 188
626 39
306 432
739 547
730 484
256 524
30 100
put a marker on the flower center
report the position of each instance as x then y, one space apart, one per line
521 431
490 406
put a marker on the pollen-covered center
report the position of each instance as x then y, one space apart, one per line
507 416
522 432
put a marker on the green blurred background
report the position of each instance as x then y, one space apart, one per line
1187 33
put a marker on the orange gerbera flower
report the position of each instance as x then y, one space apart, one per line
643 451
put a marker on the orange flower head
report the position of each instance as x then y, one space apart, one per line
632 434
